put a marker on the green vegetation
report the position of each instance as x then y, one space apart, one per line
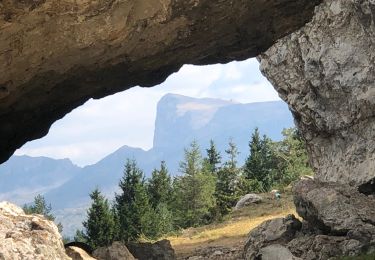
100 224
204 192
41 207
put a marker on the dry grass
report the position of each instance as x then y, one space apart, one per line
233 232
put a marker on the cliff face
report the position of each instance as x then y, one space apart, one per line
56 54
326 72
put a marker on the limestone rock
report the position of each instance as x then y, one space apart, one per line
275 231
335 209
77 253
28 236
325 72
55 55
276 252
338 221
311 247
117 251
247 200
160 250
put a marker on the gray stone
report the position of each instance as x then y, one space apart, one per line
276 252
117 251
160 250
275 231
335 209
247 200
326 72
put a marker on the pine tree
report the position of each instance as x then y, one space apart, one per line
213 158
260 165
226 192
133 211
193 190
100 225
159 186
40 207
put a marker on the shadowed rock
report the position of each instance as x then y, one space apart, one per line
117 251
55 55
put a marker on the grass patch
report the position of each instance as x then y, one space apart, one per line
234 230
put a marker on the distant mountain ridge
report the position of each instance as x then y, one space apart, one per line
179 120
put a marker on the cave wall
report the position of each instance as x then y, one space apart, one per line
57 54
326 73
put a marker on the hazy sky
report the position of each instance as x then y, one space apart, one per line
99 127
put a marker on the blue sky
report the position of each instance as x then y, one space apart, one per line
99 127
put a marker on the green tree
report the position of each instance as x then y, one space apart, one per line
100 224
41 207
132 208
292 157
213 158
159 186
193 190
260 165
226 191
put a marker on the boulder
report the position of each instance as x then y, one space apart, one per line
311 247
77 253
325 71
247 200
275 252
160 250
335 209
28 236
117 251
275 231
338 221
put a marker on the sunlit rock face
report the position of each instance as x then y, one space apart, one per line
56 54
28 236
326 73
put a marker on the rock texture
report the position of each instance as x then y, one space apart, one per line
117 251
28 236
160 250
77 253
247 200
275 231
325 72
338 221
57 54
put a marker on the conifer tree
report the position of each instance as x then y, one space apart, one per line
213 158
132 209
260 165
100 225
41 207
226 192
159 186
193 190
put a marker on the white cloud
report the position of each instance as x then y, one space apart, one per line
99 127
